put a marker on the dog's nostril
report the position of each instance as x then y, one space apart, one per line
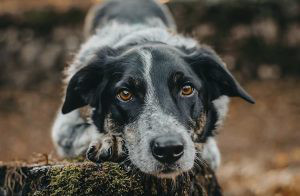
178 150
167 149
158 151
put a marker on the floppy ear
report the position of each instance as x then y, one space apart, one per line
81 88
86 85
209 67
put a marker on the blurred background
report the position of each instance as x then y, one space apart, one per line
258 39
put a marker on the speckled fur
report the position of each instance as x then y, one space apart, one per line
73 135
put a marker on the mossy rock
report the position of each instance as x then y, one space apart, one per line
108 178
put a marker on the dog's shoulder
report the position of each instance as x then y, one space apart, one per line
128 12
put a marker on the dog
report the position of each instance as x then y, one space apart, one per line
140 90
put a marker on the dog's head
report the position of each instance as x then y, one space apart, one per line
160 98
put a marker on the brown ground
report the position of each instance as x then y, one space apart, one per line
260 143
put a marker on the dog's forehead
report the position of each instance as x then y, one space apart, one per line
154 67
159 62
167 61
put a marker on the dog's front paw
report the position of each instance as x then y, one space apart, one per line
108 148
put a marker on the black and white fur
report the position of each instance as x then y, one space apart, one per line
133 45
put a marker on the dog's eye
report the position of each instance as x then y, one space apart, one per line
124 95
187 90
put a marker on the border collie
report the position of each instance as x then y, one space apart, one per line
138 89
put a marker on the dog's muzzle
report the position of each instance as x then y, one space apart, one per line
167 149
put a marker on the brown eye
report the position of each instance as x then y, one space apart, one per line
187 90
124 95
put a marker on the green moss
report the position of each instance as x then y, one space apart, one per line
90 179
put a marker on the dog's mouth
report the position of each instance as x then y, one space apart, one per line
168 171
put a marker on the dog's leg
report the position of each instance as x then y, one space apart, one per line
211 153
71 135
106 148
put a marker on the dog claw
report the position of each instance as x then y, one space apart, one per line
91 154
91 149
109 152
106 155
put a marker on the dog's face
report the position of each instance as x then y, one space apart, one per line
159 98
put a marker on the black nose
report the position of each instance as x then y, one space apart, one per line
167 149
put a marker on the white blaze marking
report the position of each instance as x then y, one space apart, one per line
147 58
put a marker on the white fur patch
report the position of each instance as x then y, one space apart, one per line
211 153
221 105
147 59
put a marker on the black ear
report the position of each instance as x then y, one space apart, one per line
86 85
81 88
209 67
